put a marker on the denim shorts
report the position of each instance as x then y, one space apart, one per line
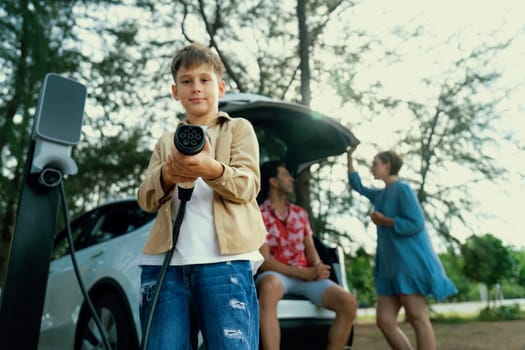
218 299
312 290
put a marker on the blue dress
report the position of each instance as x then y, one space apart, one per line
405 262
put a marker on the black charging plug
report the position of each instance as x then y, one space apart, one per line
189 139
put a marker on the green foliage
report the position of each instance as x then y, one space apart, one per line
512 290
511 286
500 313
124 62
359 272
36 36
54 36
450 318
452 265
452 128
519 267
486 260
111 168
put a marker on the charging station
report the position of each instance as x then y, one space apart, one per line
56 128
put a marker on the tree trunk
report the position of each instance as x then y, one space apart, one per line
302 184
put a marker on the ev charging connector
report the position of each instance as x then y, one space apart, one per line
189 140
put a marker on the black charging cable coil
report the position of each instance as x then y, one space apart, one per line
51 177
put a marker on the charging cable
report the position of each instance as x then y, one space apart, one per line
186 193
189 140
50 177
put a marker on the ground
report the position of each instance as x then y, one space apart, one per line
504 335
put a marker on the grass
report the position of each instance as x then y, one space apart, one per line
500 313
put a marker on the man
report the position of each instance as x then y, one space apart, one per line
292 264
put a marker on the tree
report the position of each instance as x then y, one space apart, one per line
264 53
29 53
282 56
285 50
486 260
28 56
455 131
41 37
452 263
519 267
449 128
361 276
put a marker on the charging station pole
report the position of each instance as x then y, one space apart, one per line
57 125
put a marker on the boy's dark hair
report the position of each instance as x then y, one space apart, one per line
395 160
268 170
193 55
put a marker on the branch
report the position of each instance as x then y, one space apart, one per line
212 31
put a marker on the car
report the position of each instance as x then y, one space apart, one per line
108 240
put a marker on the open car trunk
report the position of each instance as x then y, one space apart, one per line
290 131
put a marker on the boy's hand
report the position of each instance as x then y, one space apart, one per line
183 168
171 171
211 169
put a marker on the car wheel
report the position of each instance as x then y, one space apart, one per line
115 322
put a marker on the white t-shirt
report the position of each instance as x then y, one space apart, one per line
197 242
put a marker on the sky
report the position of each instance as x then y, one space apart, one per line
470 23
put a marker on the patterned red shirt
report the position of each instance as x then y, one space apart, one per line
286 237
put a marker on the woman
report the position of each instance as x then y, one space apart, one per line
407 270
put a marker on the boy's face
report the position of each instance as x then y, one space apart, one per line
199 90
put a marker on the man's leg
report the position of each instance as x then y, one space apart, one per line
344 305
417 314
386 318
270 291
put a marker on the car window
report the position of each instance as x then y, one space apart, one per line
102 224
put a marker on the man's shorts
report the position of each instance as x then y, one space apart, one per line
312 290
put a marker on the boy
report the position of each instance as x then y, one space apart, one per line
209 284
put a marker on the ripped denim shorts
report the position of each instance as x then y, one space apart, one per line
218 299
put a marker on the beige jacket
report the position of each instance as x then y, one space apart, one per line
238 221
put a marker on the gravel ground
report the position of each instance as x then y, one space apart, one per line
503 335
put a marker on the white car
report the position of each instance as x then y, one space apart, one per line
109 238
108 241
